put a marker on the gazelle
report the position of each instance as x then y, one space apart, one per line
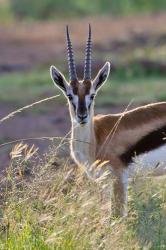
116 139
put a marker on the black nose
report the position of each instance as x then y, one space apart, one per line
82 116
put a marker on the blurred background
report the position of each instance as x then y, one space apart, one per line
130 34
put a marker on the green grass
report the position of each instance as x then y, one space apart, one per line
60 8
141 89
59 208
29 9
6 15
21 88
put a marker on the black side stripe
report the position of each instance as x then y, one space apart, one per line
149 142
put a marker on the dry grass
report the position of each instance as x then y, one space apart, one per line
50 204
10 115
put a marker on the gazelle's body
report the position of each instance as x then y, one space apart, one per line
121 140
115 139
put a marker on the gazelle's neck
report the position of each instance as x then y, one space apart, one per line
83 143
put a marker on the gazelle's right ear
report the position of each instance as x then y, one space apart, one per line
58 79
101 76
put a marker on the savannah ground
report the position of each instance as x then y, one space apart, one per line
46 202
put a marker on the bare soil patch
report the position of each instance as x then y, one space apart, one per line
24 46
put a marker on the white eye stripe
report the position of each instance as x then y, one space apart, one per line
75 99
88 100
71 95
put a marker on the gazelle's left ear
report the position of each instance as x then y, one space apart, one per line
58 79
102 76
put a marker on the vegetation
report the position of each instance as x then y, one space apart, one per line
51 205
6 14
44 9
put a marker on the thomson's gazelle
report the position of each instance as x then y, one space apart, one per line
117 139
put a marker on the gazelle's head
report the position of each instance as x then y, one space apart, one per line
80 94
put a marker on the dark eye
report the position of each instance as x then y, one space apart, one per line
92 96
70 97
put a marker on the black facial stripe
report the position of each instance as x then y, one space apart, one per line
70 97
82 106
74 107
89 106
149 142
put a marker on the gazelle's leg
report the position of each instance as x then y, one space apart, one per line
119 194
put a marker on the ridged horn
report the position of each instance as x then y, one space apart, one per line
70 57
88 59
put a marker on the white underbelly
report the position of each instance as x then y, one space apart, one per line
147 162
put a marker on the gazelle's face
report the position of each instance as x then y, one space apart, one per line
80 95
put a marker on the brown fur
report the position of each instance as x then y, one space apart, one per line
116 133
115 139
81 89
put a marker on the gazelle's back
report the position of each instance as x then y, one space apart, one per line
120 137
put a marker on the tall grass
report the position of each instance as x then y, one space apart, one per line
50 204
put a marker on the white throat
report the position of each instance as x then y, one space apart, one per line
83 144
